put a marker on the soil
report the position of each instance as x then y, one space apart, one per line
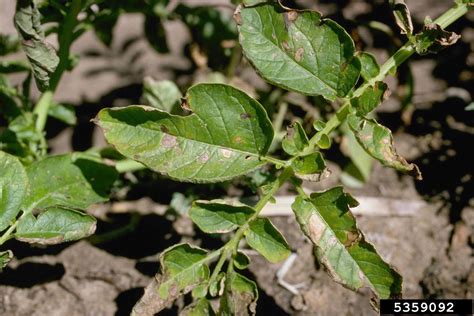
432 248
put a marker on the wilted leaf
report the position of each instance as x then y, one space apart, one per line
163 95
218 217
5 257
225 136
183 267
341 247
377 141
267 240
13 187
285 48
370 98
295 140
311 167
369 66
200 308
55 225
42 55
240 297
402 16
433 38
73 180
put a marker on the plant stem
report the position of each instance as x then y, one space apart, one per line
65 40
128 165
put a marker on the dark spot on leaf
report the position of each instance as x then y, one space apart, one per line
244 116
285 45
238 17
168 141
136 156
185 104
164 129
299 54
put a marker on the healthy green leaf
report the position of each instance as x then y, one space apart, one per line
224 137
370 98
377 141
5 257
55 225
319 125
402 16
267 240
324 142
241 260
13 187
42 55
341 247
285 48
200 308
74 180
163 95
183 267
369 66
62 112
433 38
295 140
240 297
218 217
311 167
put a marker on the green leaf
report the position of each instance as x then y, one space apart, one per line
377 141
369 66
42 55
218 217
324 142
5 258
285 48
240 297
402 16
370 98
13 187
55 225
163 95
311 167
341 247
295 140
200 308
224 137
241 260
267 240
62 112
9 43
13 66
183 267
434 38
319 125
249 3
73 180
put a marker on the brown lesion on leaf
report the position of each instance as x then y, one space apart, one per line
285 45
185 104
237 15
245 116
299 54
168 141
204 158
238 140
352 237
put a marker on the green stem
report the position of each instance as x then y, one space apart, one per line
65 40
128 165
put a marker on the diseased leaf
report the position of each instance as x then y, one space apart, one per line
267 240
183 267
311 167
341 247
370 98
73 180
218 217
224 137
55 225
241 260
42 55
5 258
285 48
369 66
240 297
402 16
295 140
13 187
200 308
433 38
163 95
377 141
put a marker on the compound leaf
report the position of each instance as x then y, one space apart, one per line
298 50
341 247
240 297
377 141
183 267
370 98
13 187
267 240
42 56
73 180
55 225
163 95
218 217
225 136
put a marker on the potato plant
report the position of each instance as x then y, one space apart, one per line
219 133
